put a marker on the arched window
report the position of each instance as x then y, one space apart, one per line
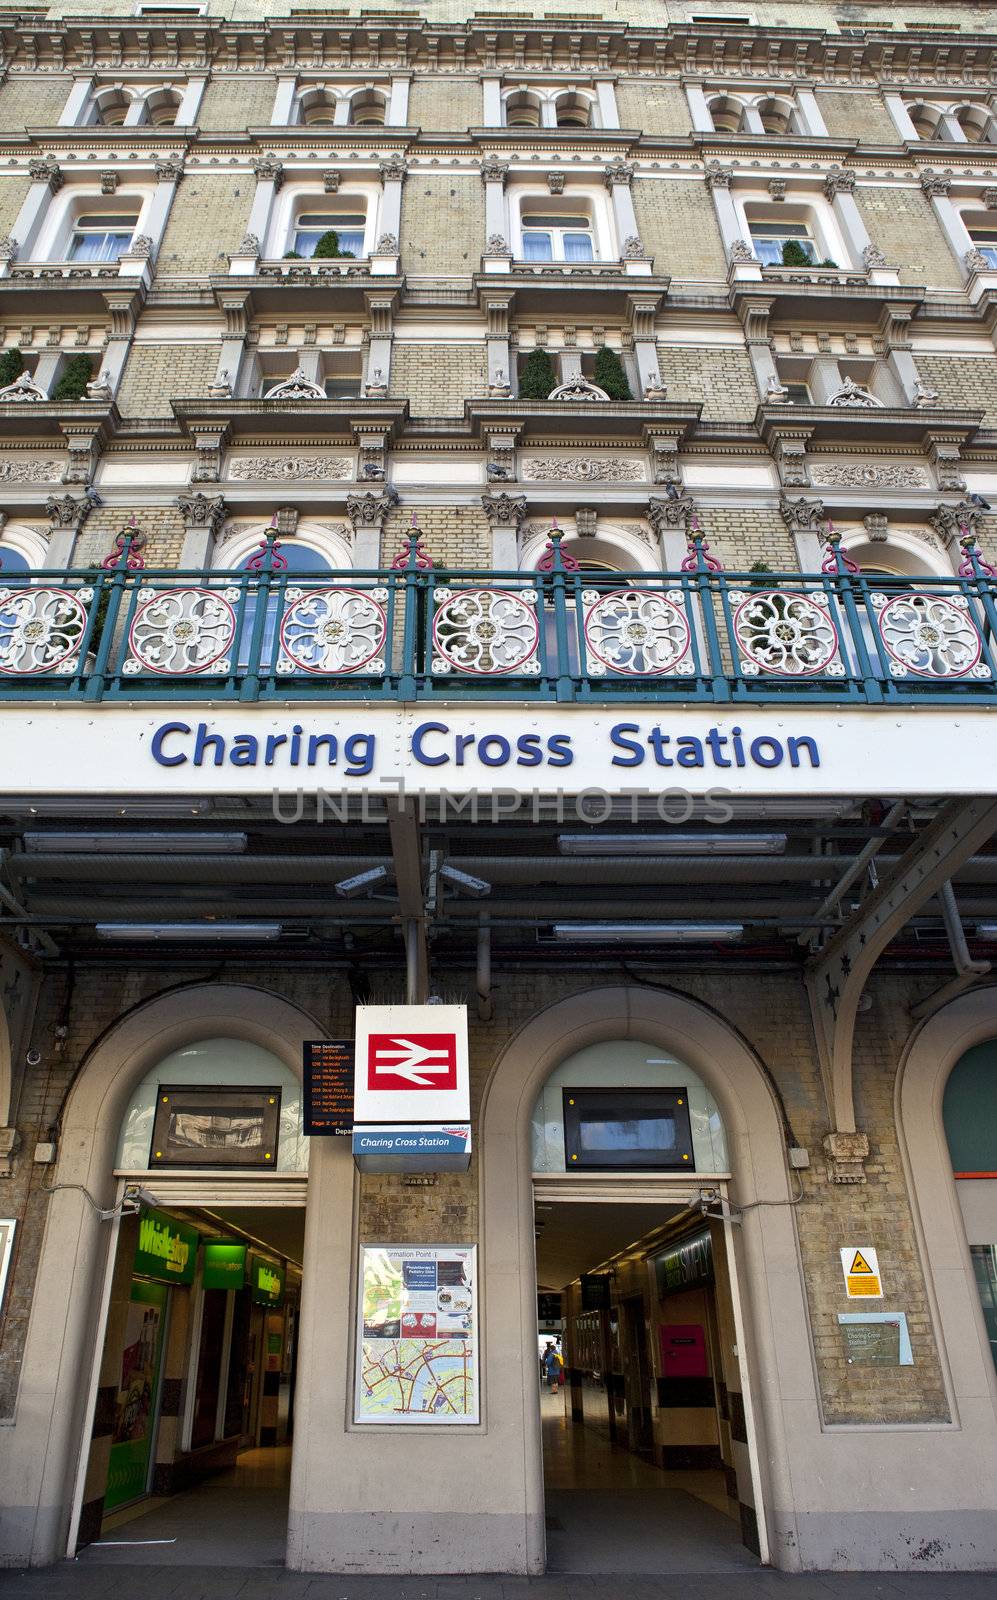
318 108
317 552
573 111
727 114
368 110
12 562
925 119
112 107
969 1110
776 115
975 122
522 110
161 108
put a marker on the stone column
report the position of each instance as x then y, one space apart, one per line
381 310
894 326
72 111
283 101
497 308
810 114
739 250
506 514
123 306
46 180
389 227
755 317
605 89
203 517
898 111
269 177
643 313
367 514
805 520
491 89
67 517
397 112
235 306
839 188
752 121
619 176
948 128
190 103
169 174
494 172
702 121
824 379
938 189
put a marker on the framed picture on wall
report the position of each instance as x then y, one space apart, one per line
200 1126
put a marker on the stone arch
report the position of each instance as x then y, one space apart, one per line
775 1312
41 1454
928 1059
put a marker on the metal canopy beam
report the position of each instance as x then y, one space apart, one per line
837 974
403 830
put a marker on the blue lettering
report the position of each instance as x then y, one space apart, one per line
419 752
803 742
766 752
358 750
162 734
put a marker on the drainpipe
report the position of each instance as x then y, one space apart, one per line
967 970
483 980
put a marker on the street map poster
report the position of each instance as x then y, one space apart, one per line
417 1338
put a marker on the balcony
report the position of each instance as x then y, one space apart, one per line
417 633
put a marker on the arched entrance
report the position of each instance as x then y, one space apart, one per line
61 1387
687 1032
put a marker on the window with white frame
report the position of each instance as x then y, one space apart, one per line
116 104
785 242
12 561
574 110
544 106
369 109
101 235
556 235
111 107
984 239
340 373
347 220
767 113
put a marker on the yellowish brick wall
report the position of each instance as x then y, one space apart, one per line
231 104
12 193
902 223
155 374
722 379
963 381
740 537
862 116
207 219
162 526
679 228
457 536
37 101
653 106
443 224
437 378
445 104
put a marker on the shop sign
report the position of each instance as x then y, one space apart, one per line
860 1265
137 1396
685 1266
166 1249
223 1265
876 1338
417 1339
266 1281
411 1064
327 1071
428 1147
595 1291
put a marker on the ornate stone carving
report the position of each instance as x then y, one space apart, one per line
99 388
221 389
387 245
70 512
286 469
267 169
393 168
555 182
497 248
850 393
501 464
877 526
670 511
873 257
665 459
330 181
776 393
950 522
633 248
975 261
84 447
168 169
505 510
46 171
791 461
739 253
141 246
935 183
619 171
990 199
586 520
36 471
108 181
578 389
923 396
777 188
202 511
717 176
297 387
250 245
369 510
494 170
838 181
802 515
846 1155
859 475
23 391
8 248
583 469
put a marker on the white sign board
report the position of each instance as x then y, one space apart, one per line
417 1338
411 1064
860 1265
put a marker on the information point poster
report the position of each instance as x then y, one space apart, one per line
417 1336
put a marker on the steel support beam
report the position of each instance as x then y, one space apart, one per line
837 974
403 831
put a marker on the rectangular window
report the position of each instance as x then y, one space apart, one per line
557 237
985 240
197 1126
798 394
348 227
101 237
647 1128
985 1269
770 238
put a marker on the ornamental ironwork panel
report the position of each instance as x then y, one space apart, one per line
640 632
931 635
485 632
41 630
784 633
332 632
179 633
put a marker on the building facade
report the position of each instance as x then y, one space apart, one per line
496 509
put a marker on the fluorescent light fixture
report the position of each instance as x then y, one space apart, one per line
713 842
101 841
986 930
465 881
649 932
169 932
362 883
81 806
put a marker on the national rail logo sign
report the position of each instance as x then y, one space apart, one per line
411 1064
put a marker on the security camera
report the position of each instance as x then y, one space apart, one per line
136 1196
362 883
466 881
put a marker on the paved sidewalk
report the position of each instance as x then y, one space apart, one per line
126 1581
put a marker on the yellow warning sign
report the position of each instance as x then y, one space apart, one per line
860 1265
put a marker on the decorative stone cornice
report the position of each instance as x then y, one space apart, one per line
949 522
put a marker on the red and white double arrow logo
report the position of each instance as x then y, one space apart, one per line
411 1061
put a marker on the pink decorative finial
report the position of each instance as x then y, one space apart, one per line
127 543
836 560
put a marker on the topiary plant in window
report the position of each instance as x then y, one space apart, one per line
610 374
328 249
794 255
11 366
537 379
292 255
76 374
